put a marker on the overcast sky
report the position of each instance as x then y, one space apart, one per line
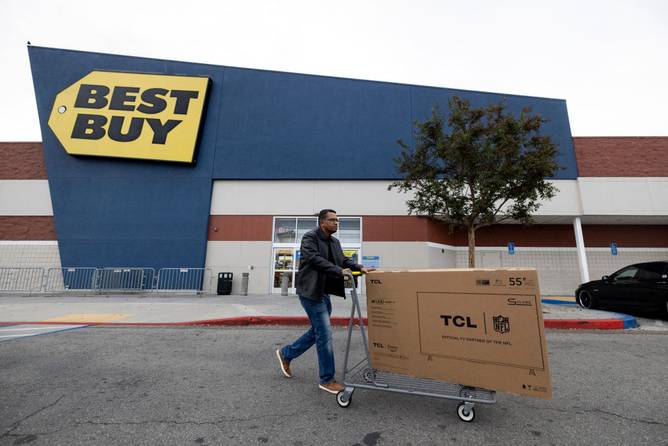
607 59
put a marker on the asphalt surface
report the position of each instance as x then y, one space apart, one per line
206 386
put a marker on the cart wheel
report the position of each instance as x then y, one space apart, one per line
369 375
344 398
465 415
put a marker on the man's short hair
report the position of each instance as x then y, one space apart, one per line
322 215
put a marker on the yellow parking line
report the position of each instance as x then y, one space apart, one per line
561 298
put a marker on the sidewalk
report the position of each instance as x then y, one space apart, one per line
189 310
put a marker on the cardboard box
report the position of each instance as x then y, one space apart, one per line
475 327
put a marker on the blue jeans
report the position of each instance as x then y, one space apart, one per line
319 334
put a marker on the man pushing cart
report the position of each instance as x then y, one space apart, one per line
443 333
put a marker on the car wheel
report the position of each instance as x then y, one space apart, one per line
586 300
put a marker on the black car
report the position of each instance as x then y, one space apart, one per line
642 287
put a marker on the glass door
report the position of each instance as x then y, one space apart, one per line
284 263
288 233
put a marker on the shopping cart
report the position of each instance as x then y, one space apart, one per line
363 376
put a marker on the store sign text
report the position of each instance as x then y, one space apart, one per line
131 115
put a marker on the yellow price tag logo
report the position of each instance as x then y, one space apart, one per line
131 115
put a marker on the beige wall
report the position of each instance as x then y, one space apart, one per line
588 196
237 257
347 197
398 255
305 198
624 196
29 254
25 197
601 262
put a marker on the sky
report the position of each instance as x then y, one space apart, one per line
607 59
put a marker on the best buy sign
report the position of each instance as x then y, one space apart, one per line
130 115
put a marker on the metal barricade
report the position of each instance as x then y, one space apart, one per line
183 279
150 279
209 284
121 279
70 279
21 279
106 280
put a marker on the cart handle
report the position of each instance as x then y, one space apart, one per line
352 273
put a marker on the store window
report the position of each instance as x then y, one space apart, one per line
285 230
288 233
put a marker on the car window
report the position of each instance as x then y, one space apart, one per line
650 271
626 273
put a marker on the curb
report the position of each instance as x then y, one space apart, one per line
229 321
338 321
563 324
629 321
591 324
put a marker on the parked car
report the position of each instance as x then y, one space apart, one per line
642 287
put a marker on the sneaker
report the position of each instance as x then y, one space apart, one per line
332 387
285 365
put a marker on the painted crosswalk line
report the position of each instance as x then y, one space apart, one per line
24 331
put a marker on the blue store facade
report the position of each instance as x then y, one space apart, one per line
258 125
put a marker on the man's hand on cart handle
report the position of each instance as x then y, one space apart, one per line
357 273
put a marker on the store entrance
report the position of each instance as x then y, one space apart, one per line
286 261
288 232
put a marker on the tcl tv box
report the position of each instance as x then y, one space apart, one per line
475 327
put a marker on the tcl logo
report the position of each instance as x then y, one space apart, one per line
458 321
375 281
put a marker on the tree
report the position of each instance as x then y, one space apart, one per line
486 167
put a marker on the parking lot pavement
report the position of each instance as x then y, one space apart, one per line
651 324
206 386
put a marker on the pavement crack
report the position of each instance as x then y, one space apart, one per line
215 422
33 435
637 420
16 424
600 411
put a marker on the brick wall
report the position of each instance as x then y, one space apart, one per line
27 228
22 161
596 157
621 156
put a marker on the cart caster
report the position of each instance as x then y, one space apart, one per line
466 414
466 392
344 398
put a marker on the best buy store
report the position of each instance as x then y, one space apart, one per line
154 163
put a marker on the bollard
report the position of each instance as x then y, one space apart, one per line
244 284
284 283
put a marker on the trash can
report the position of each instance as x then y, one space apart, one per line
224 283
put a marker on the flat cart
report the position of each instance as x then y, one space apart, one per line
362 375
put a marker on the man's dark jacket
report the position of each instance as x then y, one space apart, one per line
314 266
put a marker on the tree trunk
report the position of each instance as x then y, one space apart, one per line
471 247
